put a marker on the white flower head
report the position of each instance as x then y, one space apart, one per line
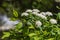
24 14
35 13
28 10
53 21
49 14
38 23
43 13
35 10
42 16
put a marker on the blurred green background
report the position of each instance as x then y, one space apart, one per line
22 5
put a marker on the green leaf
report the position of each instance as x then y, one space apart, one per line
18 26
45 33
15 13
32 34
5 4
58 16
13 18
58 7
6 34
31 27
36 38
13 39
51 39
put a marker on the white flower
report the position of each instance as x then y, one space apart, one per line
49 13
35 10
28 10
35 13
38 23
53 21
24 14
43 13
42 16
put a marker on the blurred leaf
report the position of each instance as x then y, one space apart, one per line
13 39
58 15
38 0
6 34
51 39
5 4
36 38
31 27
15 13
13 18
45 32
18 27
58 7
32 34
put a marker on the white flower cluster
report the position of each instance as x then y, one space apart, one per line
29 10
53 21
46 13
24 14
34 11
49 14
38 23
42 15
